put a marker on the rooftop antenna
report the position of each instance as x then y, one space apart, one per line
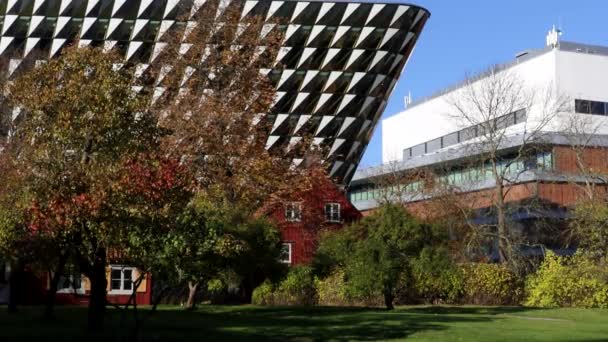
407 100
553 37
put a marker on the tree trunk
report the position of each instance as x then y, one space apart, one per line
388 298
248 287
192 287
13 285
501 225
52 292
158 297
97 300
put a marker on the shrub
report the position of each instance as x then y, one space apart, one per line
335 290
435 278
490 284
263 294
375 251
217 291
331 290
568 281
296 289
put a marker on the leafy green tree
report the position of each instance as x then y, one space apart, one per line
214 238
259 258
376 252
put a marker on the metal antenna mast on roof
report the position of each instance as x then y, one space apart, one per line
553 37
407 100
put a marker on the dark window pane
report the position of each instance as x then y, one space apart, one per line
418 150
520 116
582 106
77 282
115 284
64 283
468 133
597 108
433 145
450 139
116 273
285 253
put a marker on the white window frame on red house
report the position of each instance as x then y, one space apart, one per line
333 212
123 280
289 253
293 211
71 288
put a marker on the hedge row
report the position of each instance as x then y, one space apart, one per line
560 281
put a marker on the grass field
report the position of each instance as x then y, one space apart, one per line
230 323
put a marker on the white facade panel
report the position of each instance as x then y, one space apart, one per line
555 75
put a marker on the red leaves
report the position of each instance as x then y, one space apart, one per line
61 212
152 179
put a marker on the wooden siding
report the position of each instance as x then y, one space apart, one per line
595 159
303 235
560 194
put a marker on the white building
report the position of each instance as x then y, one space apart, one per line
432 134
572 70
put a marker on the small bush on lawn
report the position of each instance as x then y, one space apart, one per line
576 281
435 278
216 290
263 294
490 284
296 289
334 290
331 290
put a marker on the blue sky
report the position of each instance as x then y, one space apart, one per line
465 36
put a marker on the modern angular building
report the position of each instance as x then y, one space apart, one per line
341 59
338 64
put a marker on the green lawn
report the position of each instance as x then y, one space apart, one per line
229 323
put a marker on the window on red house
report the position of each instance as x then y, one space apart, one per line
293 211
121 279
70 283
286 253
332 212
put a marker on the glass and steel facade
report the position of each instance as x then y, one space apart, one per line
340 59
460 177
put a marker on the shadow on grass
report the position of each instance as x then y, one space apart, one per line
301 323
251 323
470 310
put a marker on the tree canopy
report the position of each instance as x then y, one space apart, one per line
376 251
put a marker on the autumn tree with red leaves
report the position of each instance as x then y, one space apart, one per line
107 171
82 126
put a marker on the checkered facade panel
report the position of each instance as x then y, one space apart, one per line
340 60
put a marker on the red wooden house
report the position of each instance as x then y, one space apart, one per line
302 218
